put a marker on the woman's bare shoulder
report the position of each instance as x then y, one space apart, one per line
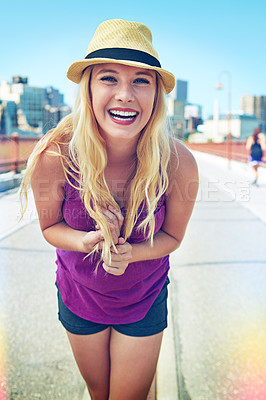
182 162
51 162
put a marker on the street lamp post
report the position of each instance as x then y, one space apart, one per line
229 133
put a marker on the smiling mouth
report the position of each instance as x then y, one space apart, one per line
123 115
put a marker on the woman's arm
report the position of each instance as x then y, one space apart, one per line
48 188
181 196
249 143
262 142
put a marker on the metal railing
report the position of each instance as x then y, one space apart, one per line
15 151
233 150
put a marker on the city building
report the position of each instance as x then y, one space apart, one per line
240 126
184 117
193 110
23 108
8 117
248 104
176 116
255 105
177 126
180 90
52 115
176 107
193 117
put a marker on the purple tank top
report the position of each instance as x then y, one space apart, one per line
102 297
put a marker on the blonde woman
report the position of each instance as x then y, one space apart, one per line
114 195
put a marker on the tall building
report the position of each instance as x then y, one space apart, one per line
23 107
8 117
248 104
54 97
184 117
52 115
255 105
260 111
32 100
180 90
177 100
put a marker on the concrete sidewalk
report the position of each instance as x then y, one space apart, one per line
216 298
39 363
218 295
235 181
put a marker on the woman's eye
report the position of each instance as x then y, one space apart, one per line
141 80
108 79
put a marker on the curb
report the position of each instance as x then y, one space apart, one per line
10 180
166 379
86 395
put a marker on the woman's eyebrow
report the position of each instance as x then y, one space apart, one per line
109 71
112 71
145 73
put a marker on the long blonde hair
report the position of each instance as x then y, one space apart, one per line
86 161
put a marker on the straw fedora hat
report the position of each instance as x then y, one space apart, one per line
122 42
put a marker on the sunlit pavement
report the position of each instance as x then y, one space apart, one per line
215 346
38 362
218 296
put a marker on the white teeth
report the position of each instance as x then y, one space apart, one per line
123 113
123 119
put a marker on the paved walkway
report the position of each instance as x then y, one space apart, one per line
218 295
215 345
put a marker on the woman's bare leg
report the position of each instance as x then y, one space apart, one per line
255 172
152 392
91 353
133 365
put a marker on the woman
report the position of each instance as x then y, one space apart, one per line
114 195
256 145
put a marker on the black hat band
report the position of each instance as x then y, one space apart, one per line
125 54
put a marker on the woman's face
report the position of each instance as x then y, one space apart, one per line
122 99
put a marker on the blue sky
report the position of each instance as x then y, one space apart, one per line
196 40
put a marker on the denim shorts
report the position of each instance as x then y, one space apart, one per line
154 322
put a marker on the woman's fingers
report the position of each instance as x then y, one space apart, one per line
116 258
109 216
115 270
112 215
115 221
122 247
112 270
118 215
120 260
121 240
91 239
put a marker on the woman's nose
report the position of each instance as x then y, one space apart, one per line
124 93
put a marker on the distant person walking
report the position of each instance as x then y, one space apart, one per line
256 145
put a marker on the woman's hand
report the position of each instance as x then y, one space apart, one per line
120 261
115 221
91 239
